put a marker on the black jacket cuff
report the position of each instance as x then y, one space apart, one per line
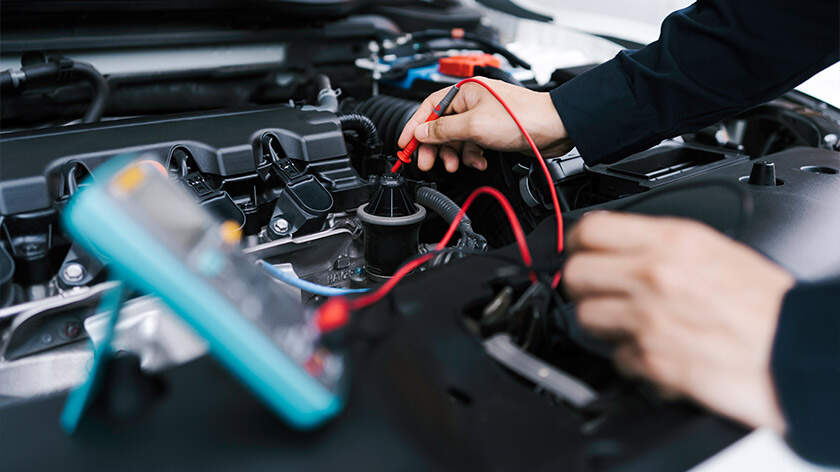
806 370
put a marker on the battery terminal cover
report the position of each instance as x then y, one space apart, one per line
464 66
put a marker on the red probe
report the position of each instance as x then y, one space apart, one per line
405 154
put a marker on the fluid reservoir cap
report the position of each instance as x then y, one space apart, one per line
763 173
464 66
391 198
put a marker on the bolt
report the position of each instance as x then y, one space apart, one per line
72 329
831 140
280 226
73 272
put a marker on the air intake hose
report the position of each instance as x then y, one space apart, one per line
390 115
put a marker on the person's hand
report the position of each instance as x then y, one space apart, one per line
476 121
689 308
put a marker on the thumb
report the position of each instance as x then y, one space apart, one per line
445 129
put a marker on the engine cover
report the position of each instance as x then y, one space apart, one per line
225 145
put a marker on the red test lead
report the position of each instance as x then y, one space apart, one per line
404 156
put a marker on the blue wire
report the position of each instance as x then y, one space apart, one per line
307 285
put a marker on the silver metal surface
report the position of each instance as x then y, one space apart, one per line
149 329
49 372
146 326
65 298
280 226
561 384
73 272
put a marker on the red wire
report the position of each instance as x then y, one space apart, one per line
554 200
367 300
383 290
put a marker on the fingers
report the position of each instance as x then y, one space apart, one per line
594 274
450 158
420 116
426 154
473 156
610 231
470 154
445 129
607 316
628 359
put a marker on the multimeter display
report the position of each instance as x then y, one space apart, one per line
156 238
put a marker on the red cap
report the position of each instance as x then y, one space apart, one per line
464 66
333 314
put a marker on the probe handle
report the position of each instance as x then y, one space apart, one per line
404 155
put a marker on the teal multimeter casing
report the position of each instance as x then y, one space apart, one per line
157 239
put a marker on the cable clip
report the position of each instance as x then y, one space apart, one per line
65 67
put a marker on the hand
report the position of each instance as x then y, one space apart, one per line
689 308
476 121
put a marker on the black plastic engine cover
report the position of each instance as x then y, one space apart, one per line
221 144
795 223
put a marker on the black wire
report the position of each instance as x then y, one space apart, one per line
57 69
547 269
493 46
470 252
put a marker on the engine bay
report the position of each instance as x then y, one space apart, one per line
301 166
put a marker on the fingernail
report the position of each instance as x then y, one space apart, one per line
422 131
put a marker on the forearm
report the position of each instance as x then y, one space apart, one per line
713 59
806 370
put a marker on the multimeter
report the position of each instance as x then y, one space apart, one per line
157 239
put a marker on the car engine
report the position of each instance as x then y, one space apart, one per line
296 153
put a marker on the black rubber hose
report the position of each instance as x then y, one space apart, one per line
495 73
448 210
390 115
364 127
101 91
28 73
488 44
55 69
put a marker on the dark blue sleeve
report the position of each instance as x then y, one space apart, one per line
806 370
713 59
